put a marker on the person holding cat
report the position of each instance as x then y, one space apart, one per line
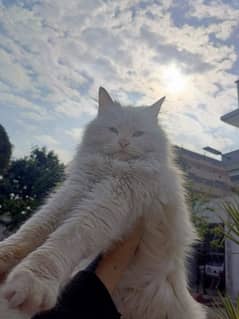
88 295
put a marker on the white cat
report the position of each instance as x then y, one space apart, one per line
123 169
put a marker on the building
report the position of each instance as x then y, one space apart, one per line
214 171
217 179
231 164
232 118
209 178
206 175
231 160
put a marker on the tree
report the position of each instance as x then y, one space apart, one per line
25 185
5 150
197 203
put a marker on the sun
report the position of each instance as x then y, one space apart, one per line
174 79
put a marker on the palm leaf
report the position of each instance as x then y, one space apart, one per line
232 226
228 309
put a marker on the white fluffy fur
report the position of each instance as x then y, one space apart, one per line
109 186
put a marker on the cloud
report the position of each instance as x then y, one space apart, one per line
75 133
216 9
77 108
47 140
166 53
64 155
52 143
184 130
13 73
54 56
10 100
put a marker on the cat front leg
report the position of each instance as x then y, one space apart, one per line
35 231
95 224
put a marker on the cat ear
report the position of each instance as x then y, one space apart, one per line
155 108
105 101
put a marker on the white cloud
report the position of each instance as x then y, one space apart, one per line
215 9
64 155
12 72
47 140
53 144
75 133
76 109
13 100
185 131
60 52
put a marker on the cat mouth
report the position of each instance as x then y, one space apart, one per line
121 151
122 154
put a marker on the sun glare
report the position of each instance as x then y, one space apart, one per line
175 80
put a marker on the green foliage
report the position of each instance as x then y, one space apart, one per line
229 310
26 183
5 150
196 201
209 235
201 225
232 225
217 232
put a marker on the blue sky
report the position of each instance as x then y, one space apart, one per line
54 54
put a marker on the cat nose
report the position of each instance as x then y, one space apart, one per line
123 142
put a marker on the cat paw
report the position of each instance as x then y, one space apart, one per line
8 259
27 291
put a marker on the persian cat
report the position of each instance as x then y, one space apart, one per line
123 169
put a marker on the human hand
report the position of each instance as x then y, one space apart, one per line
112 265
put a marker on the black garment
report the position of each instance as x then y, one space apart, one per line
85 297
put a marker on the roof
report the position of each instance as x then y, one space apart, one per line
231 118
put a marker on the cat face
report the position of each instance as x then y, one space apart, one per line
124 133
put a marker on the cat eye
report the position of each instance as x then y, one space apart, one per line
138 133
114 130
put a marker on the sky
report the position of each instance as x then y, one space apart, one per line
54 55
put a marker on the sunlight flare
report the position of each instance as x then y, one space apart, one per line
175 80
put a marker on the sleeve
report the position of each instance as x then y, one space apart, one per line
84 297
